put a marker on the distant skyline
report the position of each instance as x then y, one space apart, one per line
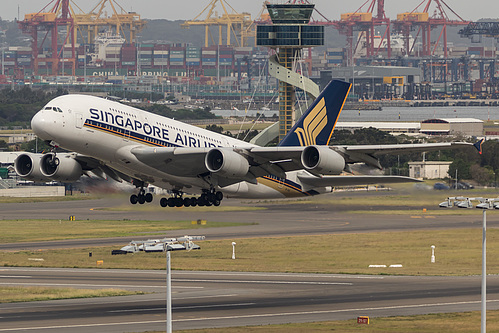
183 10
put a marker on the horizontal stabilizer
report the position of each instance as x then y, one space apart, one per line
313 181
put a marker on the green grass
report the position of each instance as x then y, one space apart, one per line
467 322
458 252
13 231
30 294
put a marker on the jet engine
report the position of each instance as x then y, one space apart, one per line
227 163
27 166
322 160
60 167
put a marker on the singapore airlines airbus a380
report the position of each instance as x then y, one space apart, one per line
127 144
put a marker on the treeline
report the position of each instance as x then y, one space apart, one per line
17 107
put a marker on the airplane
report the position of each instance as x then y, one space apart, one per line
109 139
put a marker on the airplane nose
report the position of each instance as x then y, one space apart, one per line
40 125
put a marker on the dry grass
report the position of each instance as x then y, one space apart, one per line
30 294
46 230
468 322
458 252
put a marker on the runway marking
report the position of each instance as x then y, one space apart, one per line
16 276
267 282
183 307
311 276
238 317
92 285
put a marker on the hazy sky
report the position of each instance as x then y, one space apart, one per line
188 9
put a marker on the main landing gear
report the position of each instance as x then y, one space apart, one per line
208 198
141 198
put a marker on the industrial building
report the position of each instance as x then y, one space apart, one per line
453 126
429 169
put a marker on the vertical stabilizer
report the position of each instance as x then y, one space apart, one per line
316 126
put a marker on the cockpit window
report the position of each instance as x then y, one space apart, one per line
56 109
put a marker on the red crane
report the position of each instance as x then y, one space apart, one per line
51 23
365 22
407 22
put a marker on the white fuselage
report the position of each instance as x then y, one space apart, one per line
108 130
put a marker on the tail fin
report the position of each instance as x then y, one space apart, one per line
316 126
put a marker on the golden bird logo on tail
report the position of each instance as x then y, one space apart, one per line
313 124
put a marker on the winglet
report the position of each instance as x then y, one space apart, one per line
317 124
478 145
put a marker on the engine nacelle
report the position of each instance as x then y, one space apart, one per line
227 163
60 167
322 160
27 166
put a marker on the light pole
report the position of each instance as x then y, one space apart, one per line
167 245
485 203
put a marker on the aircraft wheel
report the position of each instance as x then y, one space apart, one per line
187 202
208 204
134 199
216 203
171 202
201 202
219 196
179 202
142 199
212 197
148 197
194 202
163 202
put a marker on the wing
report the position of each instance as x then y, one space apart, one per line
225 166
228 165
368 153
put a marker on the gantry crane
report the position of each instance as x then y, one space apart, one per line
51 23
120 22
406 22
365 22
237 25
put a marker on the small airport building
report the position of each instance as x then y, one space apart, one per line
429 169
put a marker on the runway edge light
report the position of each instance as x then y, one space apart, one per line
363 320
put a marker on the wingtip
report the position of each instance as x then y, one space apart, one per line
478 145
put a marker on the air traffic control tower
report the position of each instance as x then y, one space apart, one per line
288 35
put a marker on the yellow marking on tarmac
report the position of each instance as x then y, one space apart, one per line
416 217
422 217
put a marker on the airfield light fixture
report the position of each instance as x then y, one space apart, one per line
165 245
484 204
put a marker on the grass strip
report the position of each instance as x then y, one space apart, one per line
458 252
74 197
157 208
30 294
48 230
466 322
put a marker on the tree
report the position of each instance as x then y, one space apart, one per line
481 175
462 167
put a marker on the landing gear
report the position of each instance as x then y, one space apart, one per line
141 198
208 198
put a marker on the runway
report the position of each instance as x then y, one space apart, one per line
277 219
220 299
